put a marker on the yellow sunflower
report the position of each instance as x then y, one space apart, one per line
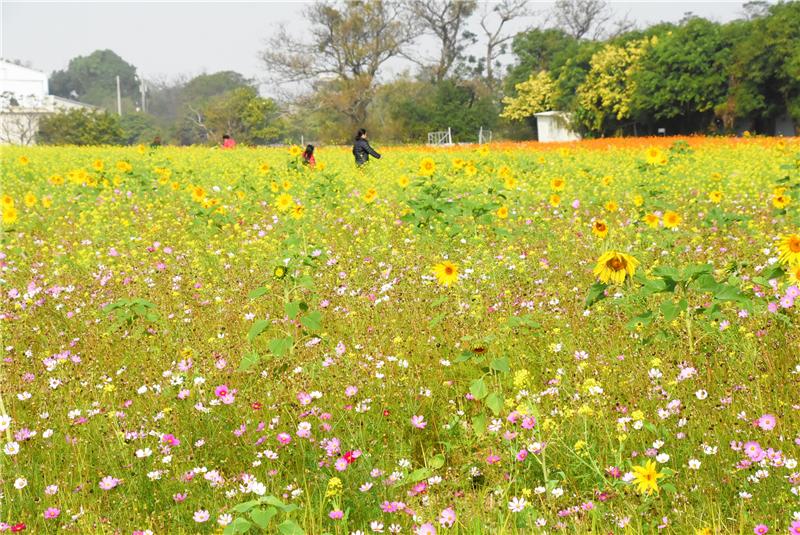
611 206
672 219
198 194
9 215
446 273
30 199
370 195
502 212
613 267
403 181
283 202
297 211
646 478
600 229
558 184
789 247
781 201
295 151
427 166
651 220
655 156
794 273
555 200
715 196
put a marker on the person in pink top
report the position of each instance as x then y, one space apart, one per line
228 142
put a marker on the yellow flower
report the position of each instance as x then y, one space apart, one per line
124 167
554 200
403 181
198 194
427 166
638 200
457 163
611 206
334 487
558 184
789 247
23 160
715 196
264 168
502 212
297 211
56 180
671 219
286 185
47 202
446 273
651 220
295 151
613 267
646 478
510 182
370 195
794 273
781 201
655 156
9 215
283 202
30 199
600 229
7 201
274 187
607 180
97 165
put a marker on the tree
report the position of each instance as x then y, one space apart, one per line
80 127
682 78
606 94
349 44
539 50
139 128
93 79
582 18
249 118
537 94
445 21
496 38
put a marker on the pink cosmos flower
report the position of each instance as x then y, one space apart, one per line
221 391
336 514
767 422
51 512
170 439
284 438
522 455
341 464
794 529
425 529
418 422
109 482
447 518
529 422
761 529
492 459
350 391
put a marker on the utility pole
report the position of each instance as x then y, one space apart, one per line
143 91
119 99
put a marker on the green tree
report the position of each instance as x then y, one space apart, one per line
81 127
683 78
249 118
139 128
93 79
539 50
537 94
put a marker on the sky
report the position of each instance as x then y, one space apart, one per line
168 39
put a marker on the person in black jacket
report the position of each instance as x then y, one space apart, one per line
361 149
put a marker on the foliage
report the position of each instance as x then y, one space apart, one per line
92 79
81 127
538 93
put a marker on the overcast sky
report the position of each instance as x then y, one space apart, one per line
164 40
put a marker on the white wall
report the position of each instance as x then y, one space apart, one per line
22 81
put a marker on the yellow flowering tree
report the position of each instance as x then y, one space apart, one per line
536 94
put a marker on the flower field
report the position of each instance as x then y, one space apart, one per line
596 337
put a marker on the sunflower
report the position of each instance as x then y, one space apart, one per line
7 201
297 211
56 180
30 199
23 160
638 200
646 478
283 202
295 151
370 195
600 229
651 220
715 196
124 167
502 212
279 272
613 266
554 200
671 219
558 184
198 194
789 246
611 206
446 273
427 166
781 201
97 165
9 215
655 156
403 181
47 202
470 169
274 187
607 180
794 273
457 163
264 168
510 182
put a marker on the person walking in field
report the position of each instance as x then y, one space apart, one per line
228 142
308 157
361 149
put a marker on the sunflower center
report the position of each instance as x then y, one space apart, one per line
616 264
448 270
794 244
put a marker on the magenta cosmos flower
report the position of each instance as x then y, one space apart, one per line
418 422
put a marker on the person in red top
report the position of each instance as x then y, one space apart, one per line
308 157
228 142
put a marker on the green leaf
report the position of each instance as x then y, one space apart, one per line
306 281
241 525
292 309
439 301
669 487
287 527
478 389
495 402
258 292
280 346
261 517
245 506
726 292
596 293
436 319
464 357
479 423
500 365
670 309
642 319
272 500
437 461
248 361
312 321
257 328
419 474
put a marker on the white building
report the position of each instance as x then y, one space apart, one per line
24 98
554 126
